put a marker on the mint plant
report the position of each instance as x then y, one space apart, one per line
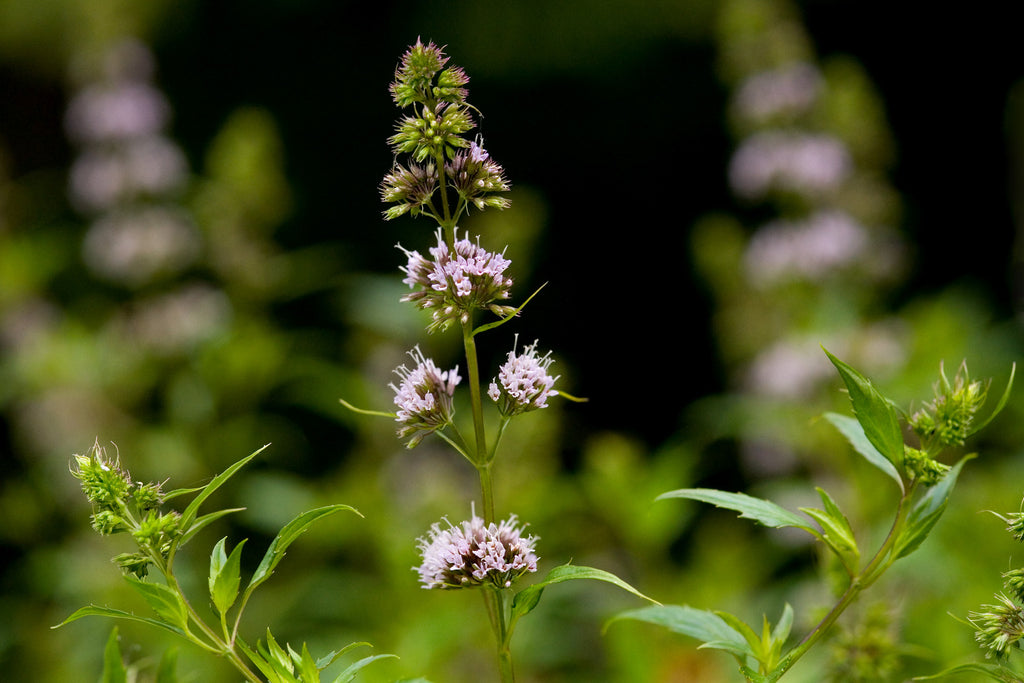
924 485
441 174
121 505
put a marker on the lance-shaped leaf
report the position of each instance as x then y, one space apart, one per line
999 406
762 511
225 575
291 531
876 414
707 627
995 672
837 533
98 611
854 433
349 674
927 511
167 604
113 665
526 599
189 515
167 671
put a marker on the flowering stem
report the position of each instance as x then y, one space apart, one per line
497 610
881 561
481 460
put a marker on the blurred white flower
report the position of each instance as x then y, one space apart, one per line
809 249
790 89
804 163
134 246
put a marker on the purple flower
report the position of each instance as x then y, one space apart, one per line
424 398
476 553
523 382
456 282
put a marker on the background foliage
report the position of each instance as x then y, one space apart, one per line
225 290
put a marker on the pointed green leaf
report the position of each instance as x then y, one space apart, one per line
705 626
261 663
349 673
526 599
741 627
875 413
291 531
97 611
757 509
995 672
837 533
927 511
113 665
167 671
225 575
783 627
190 512
202 521
332 657
167 604
307 670
854 433
999 406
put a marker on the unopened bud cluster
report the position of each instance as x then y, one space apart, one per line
433 137
946 421
943 423
1000 626
122 505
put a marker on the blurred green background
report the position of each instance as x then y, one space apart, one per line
193 264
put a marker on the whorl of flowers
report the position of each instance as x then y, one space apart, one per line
999 626
523 382
424 398
456 282
474 175
475 553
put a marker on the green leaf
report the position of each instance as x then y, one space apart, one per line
999 406
307 669
735 623
854 433
202 521
331 657
526 599
190 512
926 512
261 663
763 511
707 627
225 575
496 323
167 671
837 533
291 531
875 413
97 611
278 659
996 672
167 604
113 665
349 673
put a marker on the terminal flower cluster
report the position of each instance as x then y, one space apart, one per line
523 382
433 136
424 398
476 553
122 505
456 282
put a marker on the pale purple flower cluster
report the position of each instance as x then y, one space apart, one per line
424 398
804 163
456 282
476 553
523 382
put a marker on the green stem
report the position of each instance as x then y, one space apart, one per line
481 460
881 561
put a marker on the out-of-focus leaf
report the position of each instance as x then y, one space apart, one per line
113 665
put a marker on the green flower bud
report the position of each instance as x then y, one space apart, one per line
919 466
147 496
999 627
1013 581
103 482
134 563
107 523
